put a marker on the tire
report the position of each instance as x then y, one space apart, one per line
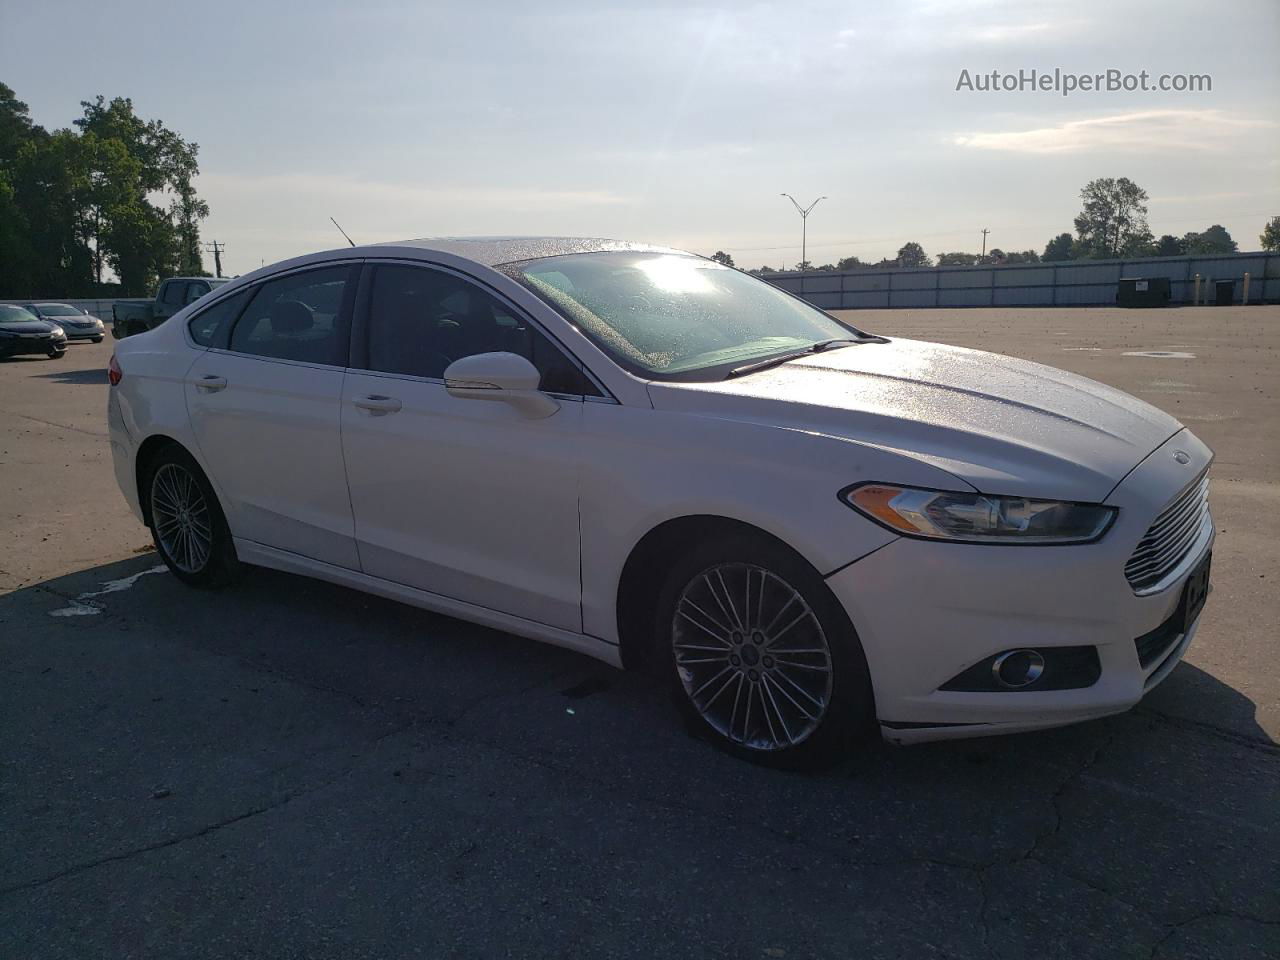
97 339
187 523
57 354
778 707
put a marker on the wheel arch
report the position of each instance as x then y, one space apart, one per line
147 452
644 571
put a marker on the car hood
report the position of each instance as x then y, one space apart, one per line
1003 425
27 326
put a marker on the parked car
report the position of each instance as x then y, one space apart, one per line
76 324
806 529
137 316
22 332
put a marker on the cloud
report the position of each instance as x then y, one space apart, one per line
1140 132
374 193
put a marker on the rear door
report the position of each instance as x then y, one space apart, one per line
264 403
469 499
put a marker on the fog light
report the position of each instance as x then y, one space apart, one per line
1017 668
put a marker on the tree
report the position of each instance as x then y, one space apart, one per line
1270 237
849 263
1169 246
1215 239
1057 249
827 267
913 255
1022 256
167 166
719 257
760 271
803 265
1113 222
957 259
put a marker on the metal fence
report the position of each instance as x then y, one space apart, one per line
1082 283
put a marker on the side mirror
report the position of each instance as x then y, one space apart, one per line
507 377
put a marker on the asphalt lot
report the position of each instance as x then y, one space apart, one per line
292 769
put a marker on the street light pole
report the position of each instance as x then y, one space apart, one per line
804 224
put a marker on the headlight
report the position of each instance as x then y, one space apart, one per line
58 332
978 517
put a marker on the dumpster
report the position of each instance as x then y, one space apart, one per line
1143 292
1224 291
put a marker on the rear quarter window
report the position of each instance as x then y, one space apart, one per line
212 327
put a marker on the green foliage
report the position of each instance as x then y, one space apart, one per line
849 263
115 194
1270 236
957 259
1169 246
913 255
1113 222
1216 239
1058 249
721 257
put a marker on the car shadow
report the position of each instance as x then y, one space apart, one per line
119 670
93 377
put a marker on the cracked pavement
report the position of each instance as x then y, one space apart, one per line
291 769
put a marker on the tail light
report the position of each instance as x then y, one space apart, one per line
114 373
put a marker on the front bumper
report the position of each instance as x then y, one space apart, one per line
85 333
926 611
29 346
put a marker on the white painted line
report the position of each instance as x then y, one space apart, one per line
85 606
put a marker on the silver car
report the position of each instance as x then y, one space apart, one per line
75 323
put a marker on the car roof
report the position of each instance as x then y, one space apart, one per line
49 303
494 251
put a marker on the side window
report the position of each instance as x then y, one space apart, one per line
210 327
195 290
298 317
421 320
171 292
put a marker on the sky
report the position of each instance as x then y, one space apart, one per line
678 123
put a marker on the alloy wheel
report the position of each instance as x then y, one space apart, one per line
180 514
752 656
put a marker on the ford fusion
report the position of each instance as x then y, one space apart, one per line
809 531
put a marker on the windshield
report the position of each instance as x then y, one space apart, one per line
12 314
671 316
58 310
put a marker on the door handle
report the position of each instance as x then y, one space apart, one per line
377 405
211 384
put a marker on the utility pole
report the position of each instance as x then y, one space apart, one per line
985 231
804 223
217 249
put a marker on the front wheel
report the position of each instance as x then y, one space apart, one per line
97 339
764 660
188 527
56 354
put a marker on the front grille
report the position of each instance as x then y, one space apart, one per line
1169 537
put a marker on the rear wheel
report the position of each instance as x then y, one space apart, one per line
763 659
188 527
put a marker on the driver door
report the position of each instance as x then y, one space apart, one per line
467 499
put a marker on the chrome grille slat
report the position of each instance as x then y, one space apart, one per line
1170 536
1172 517
1169 542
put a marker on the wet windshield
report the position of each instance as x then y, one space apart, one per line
673 316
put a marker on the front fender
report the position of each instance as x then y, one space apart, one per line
650 466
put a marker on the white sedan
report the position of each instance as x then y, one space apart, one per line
661 462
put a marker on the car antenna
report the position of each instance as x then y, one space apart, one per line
343 232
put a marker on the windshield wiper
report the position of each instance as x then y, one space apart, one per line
820 347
